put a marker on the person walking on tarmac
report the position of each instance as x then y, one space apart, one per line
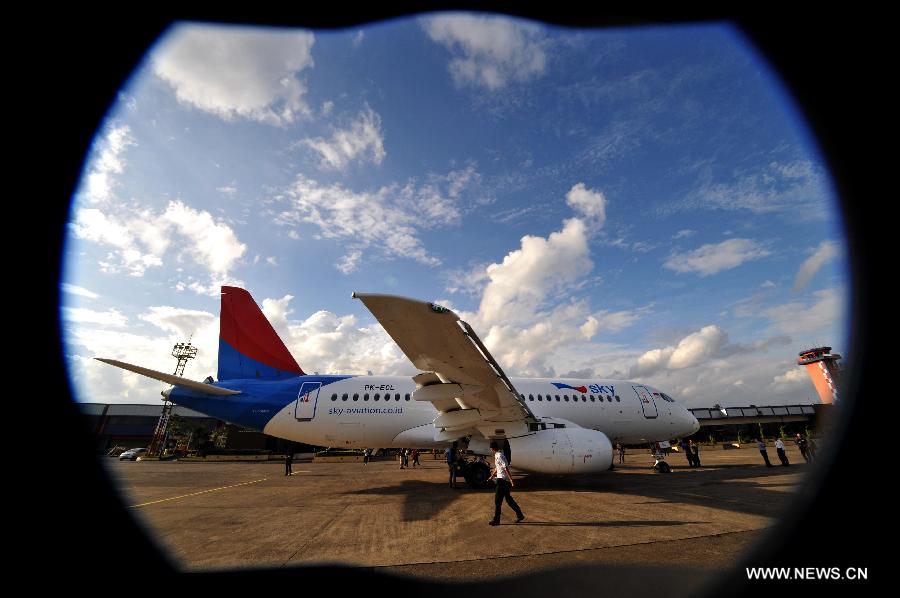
779 448
504 483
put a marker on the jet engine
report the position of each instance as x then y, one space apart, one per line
562 451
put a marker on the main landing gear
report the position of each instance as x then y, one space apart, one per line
476 473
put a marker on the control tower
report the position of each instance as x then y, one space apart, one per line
823 368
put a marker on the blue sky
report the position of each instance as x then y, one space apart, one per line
642 203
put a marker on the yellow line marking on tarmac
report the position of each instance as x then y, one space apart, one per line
195 494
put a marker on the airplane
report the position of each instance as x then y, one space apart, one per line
546 425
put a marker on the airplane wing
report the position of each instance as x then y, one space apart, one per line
200 387
460 377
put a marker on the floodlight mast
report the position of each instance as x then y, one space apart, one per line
183 352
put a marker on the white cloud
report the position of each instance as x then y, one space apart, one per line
527 275
684 233
331 344
824 253
236 72
362 139
489 52
71 289
272 261
690 351
184 323
230 189
107 161
589 203
794 377
365 218
711 259
211 244
358 38
124 237
800 187
140 237
78 315
348 263
825 313
768 285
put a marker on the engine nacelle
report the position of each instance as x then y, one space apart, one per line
562 451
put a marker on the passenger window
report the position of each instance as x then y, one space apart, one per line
344 397
540 398
566 398
617 399
376 396
397 397
366 397
557 397
334 397
583 399
592 398
407 397
530 397
355 396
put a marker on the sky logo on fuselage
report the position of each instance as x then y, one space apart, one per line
582 389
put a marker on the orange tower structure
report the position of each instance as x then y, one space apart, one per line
823 368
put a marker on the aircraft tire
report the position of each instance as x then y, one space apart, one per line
477 474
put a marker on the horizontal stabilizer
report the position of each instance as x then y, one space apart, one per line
200 387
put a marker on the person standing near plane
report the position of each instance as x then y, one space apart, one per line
695 453
621 453
761 445
686 447
779 448
451 463
288 460
504 483
415 456
801 444
366 454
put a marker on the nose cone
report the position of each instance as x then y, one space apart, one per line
695 425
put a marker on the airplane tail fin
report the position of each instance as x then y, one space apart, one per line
248 345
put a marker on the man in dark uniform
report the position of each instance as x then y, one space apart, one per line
451 463
801 444
695 453
288 460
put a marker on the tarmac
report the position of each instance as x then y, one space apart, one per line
220 515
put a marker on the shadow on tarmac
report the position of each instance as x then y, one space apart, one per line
730 487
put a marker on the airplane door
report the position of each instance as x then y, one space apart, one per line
305 408
647 402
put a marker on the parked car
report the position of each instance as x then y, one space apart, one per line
132 454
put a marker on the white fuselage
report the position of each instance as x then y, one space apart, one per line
378 411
